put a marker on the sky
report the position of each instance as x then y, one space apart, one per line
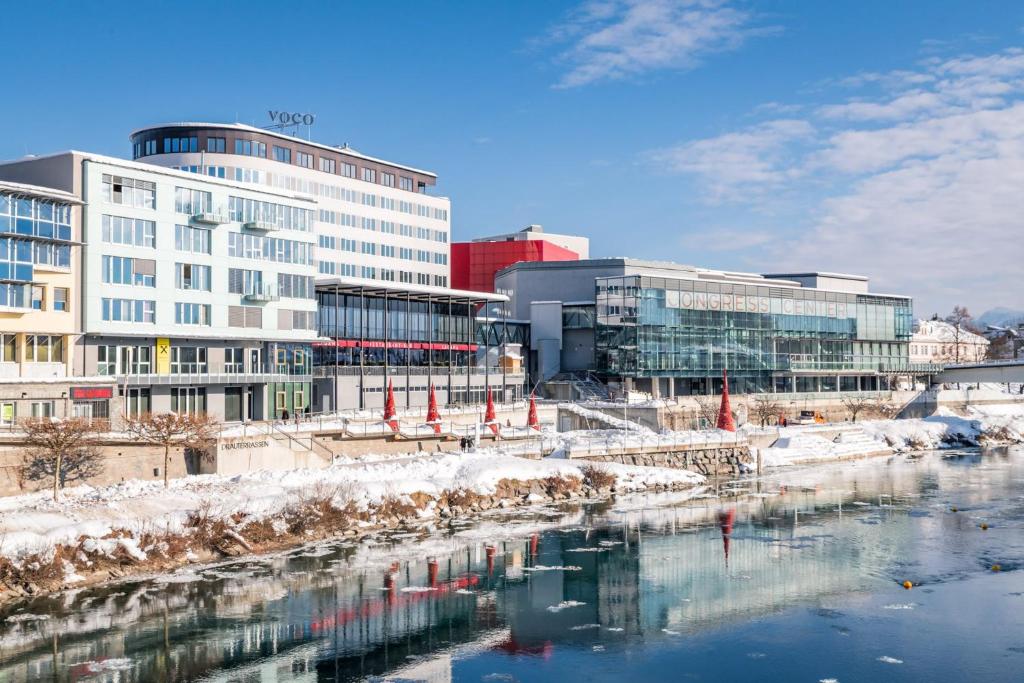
874 137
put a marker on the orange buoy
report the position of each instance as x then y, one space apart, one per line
984 527
952 509
996 568
908 585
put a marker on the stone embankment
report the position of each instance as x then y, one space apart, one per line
321 514
712 462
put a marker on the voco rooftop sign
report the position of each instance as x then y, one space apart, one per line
285 118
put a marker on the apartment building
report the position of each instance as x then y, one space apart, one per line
196 292
39 312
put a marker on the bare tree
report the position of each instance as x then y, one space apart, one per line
883 408
66 450
960 319
707 410
173 429
857 404
765 409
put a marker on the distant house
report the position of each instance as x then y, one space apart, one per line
937 341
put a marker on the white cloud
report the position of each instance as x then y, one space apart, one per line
615 39
922 180
736 163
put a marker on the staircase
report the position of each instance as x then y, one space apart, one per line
585 386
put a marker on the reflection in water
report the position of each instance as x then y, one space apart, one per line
525 587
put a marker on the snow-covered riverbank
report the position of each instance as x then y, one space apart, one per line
982 425
138 523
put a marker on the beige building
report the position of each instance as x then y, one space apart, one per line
937 341
39 309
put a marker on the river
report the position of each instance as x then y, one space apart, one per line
795 577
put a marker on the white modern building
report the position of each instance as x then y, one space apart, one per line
375 220
937 341
197 292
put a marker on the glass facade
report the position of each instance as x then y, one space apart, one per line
768 338
32 232
409 332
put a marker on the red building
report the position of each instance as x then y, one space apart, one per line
474 263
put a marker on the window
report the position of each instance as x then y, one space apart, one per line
150 146
328 165
261 248
133 232
282 154
195 240
192 276
348 170
387 250
192 202
245 281
405 183
284 217
188 359
175 145
106 360
138 401
191 314
303 159
369 175
129 192
369 248
251 148
188 400
216 145
124 270
129 310
42 348
42 408
295 286
234 360
60 299
38 298
387 179
8 348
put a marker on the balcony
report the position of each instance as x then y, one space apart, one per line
212 217
262 295
212 373
259 226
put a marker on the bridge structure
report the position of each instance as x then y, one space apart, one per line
995 372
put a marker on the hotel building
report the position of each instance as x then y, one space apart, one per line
197 293
374 218
387 313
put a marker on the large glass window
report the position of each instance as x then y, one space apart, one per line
191 313
188 359
133 232
129 191
188 400
42 348
124 270
283 217
251 148
282 154
129 310
192 276
188 238
241 281
192 202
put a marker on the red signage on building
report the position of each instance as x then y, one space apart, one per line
373 344
92 392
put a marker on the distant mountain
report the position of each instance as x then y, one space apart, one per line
1000 316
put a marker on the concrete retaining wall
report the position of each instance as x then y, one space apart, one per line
709 461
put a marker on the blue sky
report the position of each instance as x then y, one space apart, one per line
883 138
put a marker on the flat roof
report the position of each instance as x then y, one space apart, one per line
254 129
670 269
167 171
26 190
815 273
418 292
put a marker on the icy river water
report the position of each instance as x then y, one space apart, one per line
796 577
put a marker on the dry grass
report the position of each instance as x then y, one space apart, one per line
597 478
559 485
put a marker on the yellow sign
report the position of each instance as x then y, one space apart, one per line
163 356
